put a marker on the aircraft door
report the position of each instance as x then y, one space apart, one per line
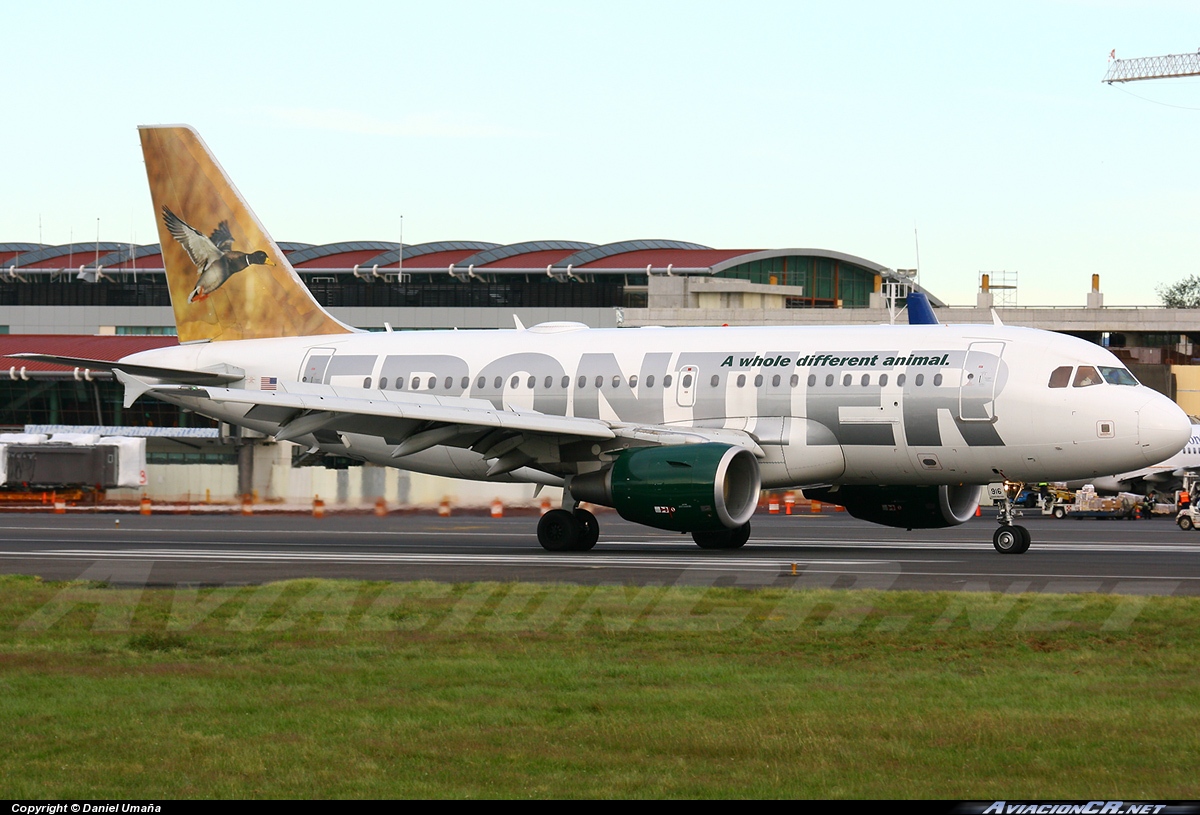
685 393
314 365
977 385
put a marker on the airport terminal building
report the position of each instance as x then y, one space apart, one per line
106 300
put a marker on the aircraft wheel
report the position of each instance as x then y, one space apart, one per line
1026 539
723 538
1059 513
1008 540
1185 523
590 530
559 531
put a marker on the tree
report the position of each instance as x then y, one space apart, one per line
1183 294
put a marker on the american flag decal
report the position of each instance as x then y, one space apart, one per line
268 383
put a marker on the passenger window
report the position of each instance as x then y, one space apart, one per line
514 382
616 382
633 381
920 380
741 380
582 382
883 378
667 381
812 380
775 381
686 381
449 382
829 381
466 382
847 379
1060 377
866 380
497 384
650 381
531 383
599 381
1086 376
937 380
480 383
367 382
716 380
549 382
758 381
795 380
383 383
900 378
566 382
432 382
416 383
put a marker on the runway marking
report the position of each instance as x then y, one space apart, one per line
812 566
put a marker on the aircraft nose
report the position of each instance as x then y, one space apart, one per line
1163 429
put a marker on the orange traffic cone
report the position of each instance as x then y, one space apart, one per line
497 509
380 507
444 508
318 507
145 510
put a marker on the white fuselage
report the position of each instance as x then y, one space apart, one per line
844 405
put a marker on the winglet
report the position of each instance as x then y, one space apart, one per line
134 386
920 312
254 298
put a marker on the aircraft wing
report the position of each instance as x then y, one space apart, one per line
413 422
216 376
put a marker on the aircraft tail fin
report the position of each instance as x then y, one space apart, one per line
228 280
920 312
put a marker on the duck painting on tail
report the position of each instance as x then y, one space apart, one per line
215 258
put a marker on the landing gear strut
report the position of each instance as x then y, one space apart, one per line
1010 538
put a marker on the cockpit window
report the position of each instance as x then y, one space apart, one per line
1087 376
1061 377
1118 376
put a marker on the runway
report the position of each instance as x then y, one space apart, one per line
829 551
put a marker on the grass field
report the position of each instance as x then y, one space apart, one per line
340 689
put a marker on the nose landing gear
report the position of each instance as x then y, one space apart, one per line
1010 538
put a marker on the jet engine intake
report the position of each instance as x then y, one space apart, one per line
683 488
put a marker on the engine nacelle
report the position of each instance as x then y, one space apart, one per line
683 488
908 507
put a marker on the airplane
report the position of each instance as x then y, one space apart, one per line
1165 476
676 428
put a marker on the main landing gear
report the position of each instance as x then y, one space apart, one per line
562 531
723 538
1010 538
577 530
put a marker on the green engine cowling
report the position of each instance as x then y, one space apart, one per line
683 488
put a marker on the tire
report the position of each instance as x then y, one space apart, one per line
589 529
1008 540
559 531
1185 523
723 538
1059 513
1026 539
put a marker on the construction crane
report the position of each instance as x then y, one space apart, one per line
1171 65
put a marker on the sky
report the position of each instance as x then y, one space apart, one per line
958 137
